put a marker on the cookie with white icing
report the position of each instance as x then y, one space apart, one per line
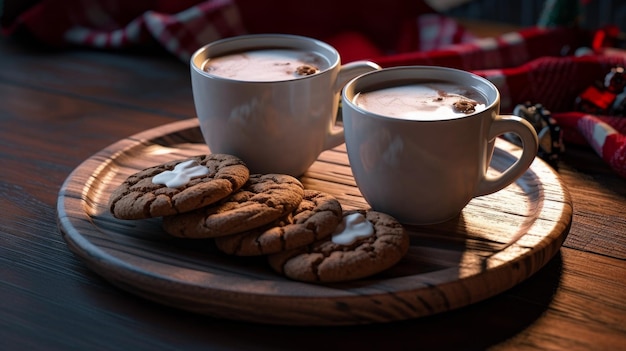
262 200
364 244
315 218
178 186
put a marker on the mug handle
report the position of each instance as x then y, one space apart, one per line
349 71
530 144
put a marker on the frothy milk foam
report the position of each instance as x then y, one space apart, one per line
266 65
427 101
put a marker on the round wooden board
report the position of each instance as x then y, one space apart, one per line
498 241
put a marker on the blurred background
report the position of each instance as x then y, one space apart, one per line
594 13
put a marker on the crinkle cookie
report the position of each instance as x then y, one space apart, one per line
372 243
315 218
178 186
262 200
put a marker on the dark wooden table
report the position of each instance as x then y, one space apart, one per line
57 108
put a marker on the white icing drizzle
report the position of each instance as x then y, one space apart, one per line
182 173
353 227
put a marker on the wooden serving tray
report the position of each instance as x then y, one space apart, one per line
498 241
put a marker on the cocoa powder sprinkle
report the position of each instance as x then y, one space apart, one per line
465 106
306 70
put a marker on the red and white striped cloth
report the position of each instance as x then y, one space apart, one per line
534 64
555 82
178 26
182 26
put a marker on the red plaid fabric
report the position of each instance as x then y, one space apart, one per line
183 26
606 141
555 82
569 122
508 50
180 27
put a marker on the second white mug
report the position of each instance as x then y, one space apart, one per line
421 153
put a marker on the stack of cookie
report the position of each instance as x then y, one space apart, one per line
304 233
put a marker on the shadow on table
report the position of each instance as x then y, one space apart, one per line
477 326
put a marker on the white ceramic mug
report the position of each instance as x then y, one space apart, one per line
273 126
427 171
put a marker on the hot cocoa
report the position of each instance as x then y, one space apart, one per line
428 101
266 65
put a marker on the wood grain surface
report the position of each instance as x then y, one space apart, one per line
60 107
497 242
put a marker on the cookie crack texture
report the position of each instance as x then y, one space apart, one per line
316 216
139 197
327 262
147 208
312 227
283 239
315 268
263 199
238 244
